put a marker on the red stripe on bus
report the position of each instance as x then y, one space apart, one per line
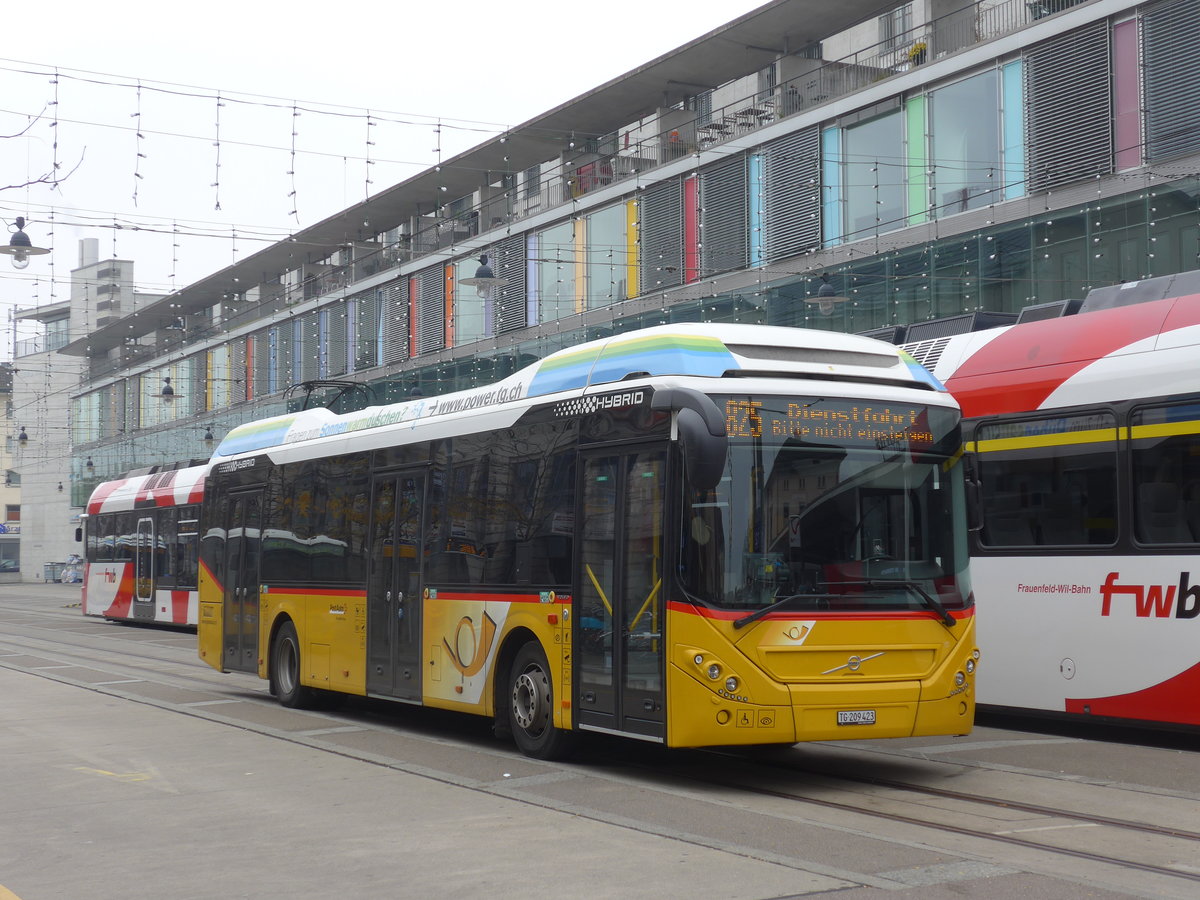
149 497
271 591
1019 369
102 493
480 596
1173 700
726 615
122 603
208 575
179 606
196 494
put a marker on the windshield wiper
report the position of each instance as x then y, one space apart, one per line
928 599
778 604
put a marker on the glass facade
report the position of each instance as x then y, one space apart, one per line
911 224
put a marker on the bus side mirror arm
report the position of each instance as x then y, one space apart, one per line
974 505
702 435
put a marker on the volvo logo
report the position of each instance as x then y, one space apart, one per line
853 664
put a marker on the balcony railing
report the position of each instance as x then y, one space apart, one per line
43 343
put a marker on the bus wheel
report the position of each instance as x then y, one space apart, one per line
285 670
531 707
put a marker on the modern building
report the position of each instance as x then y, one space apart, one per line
808 164
54 484
10 488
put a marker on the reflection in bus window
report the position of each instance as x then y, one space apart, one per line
1049 481
838 518
1166 474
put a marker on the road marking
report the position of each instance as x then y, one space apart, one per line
6 894
209 702
1050 828
128 776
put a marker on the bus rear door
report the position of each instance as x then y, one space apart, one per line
619 610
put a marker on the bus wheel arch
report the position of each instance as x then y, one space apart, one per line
528 704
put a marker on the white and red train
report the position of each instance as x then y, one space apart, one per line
1083 435
142 547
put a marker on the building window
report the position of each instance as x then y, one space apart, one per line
12 512
965 127
894 27
873 175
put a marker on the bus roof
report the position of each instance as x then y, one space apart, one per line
685 349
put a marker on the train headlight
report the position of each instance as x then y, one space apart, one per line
970 667
731 684
959 679
714 671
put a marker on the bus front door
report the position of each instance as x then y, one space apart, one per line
395 543
243 539
143 571
619 620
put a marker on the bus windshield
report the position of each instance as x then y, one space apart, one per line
830 504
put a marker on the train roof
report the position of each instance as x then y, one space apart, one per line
173 487
687 349
1123 343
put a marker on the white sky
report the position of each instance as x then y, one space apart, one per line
477 66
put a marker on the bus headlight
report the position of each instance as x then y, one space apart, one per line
714 671
959 679
731 684
970 667
698 659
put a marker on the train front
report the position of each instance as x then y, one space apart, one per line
823 588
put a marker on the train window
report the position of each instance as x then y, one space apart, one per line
1166 474
186 563
92 545
125 537
1049 481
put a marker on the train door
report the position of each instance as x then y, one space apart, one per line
395 544
619 614
243 540
143 571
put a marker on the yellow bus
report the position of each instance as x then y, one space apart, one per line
692 534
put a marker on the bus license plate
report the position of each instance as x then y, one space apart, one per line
856 717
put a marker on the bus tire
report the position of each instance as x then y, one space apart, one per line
531 707
285 670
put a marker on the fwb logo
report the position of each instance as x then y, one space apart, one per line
1154 599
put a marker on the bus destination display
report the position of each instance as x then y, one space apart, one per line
831 420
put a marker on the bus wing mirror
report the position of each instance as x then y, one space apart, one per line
703 452
702 434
